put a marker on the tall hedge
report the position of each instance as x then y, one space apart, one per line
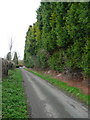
59 39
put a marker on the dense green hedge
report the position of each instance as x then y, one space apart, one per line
59 39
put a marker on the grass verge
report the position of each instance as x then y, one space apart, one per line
73 91
13 99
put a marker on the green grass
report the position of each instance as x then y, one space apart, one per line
75 92
13 98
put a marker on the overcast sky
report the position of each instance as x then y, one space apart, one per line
15 18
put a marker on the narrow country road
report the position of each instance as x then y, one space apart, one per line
46 101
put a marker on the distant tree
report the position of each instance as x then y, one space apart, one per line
10 45
8 56
15 59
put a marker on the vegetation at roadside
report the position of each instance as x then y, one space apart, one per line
59 40
13 97
76 92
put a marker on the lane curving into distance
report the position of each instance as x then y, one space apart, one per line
47 101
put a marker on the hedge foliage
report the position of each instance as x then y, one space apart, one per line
60 38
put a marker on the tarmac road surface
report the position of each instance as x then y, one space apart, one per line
47 101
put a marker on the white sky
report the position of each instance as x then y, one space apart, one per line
15 18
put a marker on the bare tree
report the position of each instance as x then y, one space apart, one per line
9 54
10 45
